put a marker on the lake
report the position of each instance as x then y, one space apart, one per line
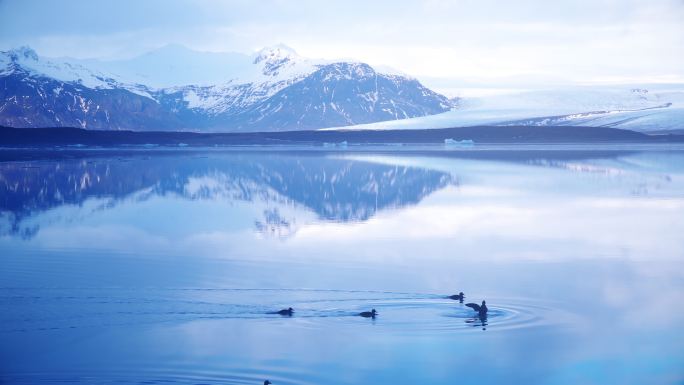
161 266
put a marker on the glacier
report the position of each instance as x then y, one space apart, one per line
645 108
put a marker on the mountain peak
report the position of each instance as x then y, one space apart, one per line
277 51
275 59
24 52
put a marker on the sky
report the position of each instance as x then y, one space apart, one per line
461 42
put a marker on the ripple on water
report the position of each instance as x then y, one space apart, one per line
194 376
399 312
434 315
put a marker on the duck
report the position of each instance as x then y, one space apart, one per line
267 382
368 314
480 309
457 297
286 312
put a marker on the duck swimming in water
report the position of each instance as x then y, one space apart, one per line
457 297
480 309
286 312
369 314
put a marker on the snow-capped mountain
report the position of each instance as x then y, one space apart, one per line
273 89
46 93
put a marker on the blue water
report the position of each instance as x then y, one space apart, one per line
140 266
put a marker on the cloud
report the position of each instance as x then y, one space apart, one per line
482 40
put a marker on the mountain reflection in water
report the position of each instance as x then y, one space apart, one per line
335 189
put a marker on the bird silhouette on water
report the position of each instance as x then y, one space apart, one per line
369 314
267 382
480 309
457 297
481 313
284 312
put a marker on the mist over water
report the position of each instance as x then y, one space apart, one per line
162 266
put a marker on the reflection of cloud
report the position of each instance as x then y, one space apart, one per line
467 225
646 297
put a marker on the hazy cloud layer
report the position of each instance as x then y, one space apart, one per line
527 41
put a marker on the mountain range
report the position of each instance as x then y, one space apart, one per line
175 88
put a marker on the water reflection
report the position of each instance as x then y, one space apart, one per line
480 320
162 268
335 189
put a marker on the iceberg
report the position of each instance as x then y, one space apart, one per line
461 143
342 144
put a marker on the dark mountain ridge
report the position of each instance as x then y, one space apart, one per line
61 136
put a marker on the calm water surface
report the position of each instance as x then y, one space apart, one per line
159 267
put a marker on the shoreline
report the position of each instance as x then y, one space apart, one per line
338 139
